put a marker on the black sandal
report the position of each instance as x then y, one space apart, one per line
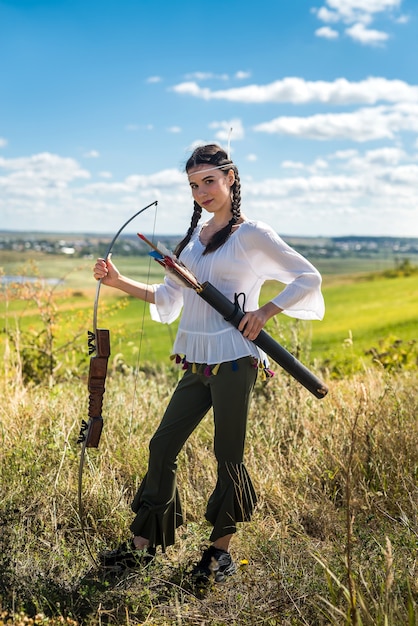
127 555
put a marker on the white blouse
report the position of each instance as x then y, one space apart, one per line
253 254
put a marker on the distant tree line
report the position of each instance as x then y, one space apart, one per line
129 245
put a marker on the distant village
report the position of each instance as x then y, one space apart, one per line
85 245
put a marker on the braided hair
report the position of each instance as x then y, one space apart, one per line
213 155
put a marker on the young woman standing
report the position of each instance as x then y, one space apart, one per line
237 255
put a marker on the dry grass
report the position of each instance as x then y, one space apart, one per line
333 540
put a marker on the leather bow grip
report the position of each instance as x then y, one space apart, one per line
96 387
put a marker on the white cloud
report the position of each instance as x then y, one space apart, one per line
136 127
345 154
241 75
358 16
206 76
47 191
319 165
327 33
402 19
366 36
202 76
44 169
346 191
3 142
385 156
252 158
91 154
380 160
154 79
365 124
232 129
300 91
407 174
293 165
325 15
40 187
351 11
360 201
174 129
162 179
303 186
191 88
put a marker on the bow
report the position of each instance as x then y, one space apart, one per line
99 347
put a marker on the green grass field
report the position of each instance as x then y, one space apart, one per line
362 310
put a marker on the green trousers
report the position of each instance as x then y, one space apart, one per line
157 503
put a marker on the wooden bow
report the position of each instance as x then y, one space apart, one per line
99 347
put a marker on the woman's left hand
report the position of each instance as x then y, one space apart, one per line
254 321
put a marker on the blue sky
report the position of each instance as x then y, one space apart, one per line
102 101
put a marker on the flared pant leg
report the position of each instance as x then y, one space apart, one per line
233 498
157 503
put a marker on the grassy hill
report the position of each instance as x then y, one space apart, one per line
334 536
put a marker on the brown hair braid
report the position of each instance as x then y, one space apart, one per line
213 155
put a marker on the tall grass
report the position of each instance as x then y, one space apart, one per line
334 536
333 539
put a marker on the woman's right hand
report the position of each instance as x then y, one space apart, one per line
109 274
106 271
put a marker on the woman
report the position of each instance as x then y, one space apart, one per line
237 255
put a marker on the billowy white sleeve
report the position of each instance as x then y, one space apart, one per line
168 301
273 259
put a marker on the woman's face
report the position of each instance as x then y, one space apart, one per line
211 188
